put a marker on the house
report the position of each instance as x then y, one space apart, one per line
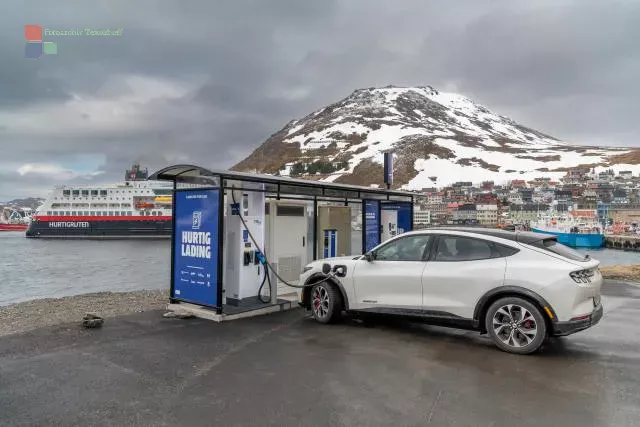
620 197
514 198
465 214
563 196
518 183
526 194
437 212
487 185
576 175
434 197
526 213
421 218
486 198
487 214
626 174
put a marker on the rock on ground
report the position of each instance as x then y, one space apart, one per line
34 314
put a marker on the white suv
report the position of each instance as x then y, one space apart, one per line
518 287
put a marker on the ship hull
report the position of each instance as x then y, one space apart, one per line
100 227
13 227
575 240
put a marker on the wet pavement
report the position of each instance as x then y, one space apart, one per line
285 369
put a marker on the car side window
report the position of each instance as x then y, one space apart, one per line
457 248
409 248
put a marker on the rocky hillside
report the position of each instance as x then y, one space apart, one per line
438 138
30 202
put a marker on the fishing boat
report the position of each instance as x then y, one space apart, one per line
577 228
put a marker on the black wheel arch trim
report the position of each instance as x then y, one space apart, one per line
306 292
511 291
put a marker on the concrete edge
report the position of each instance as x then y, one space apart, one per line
208 314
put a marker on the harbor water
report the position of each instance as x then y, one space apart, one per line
39 268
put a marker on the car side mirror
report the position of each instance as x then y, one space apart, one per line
369 256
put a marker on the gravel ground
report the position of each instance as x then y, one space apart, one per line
34 314
622 272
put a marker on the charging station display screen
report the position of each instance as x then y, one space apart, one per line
195 252
371 224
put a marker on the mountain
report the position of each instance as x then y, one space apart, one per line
29 202
439 138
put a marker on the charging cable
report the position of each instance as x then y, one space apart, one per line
268 265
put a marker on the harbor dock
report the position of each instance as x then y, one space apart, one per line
627 242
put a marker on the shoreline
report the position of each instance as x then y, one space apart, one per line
34 314
25 316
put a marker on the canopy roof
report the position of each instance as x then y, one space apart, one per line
191 174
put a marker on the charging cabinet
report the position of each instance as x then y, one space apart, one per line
243 272
336 220
286 240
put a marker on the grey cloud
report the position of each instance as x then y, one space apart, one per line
565 67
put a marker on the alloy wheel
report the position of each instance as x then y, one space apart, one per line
514 325
320 300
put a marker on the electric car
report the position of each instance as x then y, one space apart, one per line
518 287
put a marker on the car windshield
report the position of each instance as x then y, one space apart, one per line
552 245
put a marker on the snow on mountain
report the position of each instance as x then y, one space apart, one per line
439 138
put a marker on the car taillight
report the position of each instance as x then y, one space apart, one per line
582 276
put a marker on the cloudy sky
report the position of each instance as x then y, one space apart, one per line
205 81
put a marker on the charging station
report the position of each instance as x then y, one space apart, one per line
286 243
334 230
230 228
244 273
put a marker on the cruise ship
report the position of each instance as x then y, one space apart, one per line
135 208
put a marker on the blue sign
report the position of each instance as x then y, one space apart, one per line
195 256
371 224
388 168
404 215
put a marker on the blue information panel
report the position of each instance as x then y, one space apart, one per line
195 256
371 224
404 215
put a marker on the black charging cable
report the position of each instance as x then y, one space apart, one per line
325 275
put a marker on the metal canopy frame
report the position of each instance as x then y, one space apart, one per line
277 187
191 174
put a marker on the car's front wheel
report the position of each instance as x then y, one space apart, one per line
326 303
515 325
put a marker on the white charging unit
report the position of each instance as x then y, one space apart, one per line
243 270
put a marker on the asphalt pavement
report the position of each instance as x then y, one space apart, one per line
285 369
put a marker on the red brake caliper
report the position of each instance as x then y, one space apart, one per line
316 301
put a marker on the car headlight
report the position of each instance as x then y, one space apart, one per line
307 268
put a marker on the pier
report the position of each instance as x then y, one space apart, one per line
626 242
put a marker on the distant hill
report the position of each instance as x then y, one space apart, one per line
29 202
438 138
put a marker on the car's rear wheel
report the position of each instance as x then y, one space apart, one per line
515 325
326 303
